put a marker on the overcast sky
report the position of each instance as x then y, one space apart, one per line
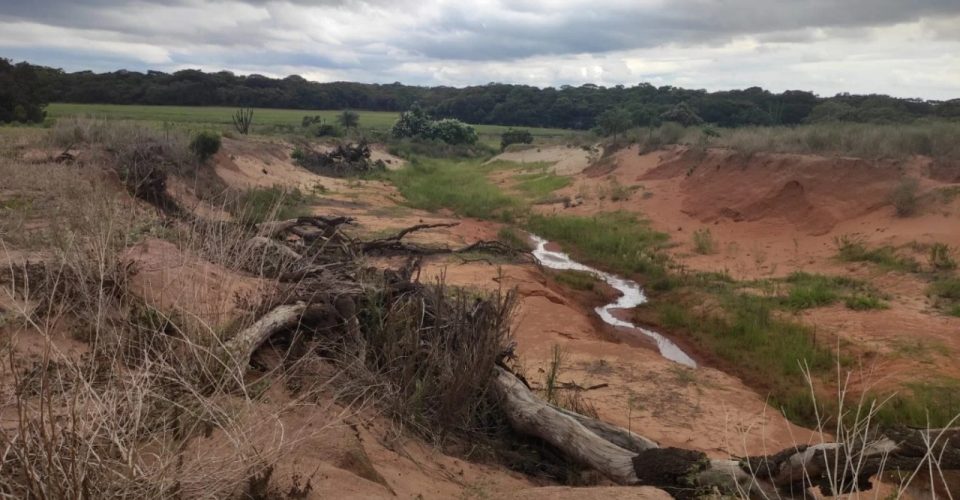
908 48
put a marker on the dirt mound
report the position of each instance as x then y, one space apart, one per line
177 282
811 192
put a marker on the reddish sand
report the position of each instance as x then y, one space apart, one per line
775 214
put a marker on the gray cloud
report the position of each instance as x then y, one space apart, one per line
543 42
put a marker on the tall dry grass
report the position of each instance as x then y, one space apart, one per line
151 409
936 139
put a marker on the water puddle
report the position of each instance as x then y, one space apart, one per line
631 296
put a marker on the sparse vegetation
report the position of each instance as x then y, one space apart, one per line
941 257
865 302
273 203
578 280
852 248
904 197
703 242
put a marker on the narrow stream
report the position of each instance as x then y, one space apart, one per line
631 296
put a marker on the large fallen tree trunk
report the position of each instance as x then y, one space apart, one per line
632 460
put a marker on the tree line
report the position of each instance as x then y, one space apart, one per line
495 103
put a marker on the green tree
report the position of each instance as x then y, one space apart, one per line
683 114
614 122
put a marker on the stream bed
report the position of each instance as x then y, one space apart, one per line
631 295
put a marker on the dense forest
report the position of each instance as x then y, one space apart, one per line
494 103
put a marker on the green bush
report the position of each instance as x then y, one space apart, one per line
513 136
204 145
453 131
415 124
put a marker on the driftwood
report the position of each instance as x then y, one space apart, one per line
633 460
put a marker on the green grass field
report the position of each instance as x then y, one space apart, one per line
264 119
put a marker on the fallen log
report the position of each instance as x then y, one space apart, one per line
628 459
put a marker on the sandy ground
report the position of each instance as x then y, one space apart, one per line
565 160
775 214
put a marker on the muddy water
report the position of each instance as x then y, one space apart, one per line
631 296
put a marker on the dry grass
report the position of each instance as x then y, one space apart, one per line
852 436
126 419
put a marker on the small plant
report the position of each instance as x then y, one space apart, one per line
864 302
904 197
205 144
703 242
941 257
242 119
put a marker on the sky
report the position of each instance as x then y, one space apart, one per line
906 48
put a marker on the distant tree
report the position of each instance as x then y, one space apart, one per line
614 122
21 97
683 114
513 136
832 111
348 119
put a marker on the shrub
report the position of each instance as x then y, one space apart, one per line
946 288
412 123
348 119
324 130
513 136
703 241
941 258
416 124
205 144
904 197
453 131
